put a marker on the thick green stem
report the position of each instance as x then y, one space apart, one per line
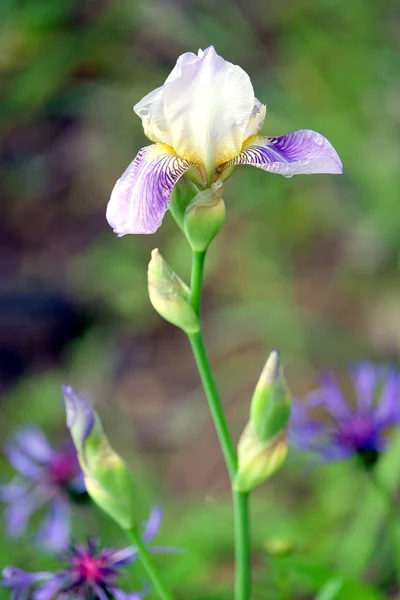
147 562
240 500
196 280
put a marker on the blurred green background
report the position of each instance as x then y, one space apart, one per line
308 264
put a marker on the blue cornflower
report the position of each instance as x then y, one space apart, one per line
335 427
46 477
90 572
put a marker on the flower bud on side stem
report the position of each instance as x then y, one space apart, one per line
170 296
108 479
262 446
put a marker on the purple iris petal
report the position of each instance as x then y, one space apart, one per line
338 430
300 152
140 197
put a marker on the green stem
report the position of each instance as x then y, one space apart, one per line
391 517
240 500
196 280
147 562
217 411
242 546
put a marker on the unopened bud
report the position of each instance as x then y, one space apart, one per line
108 479
257 460
181 196
204 217
169 295
270 405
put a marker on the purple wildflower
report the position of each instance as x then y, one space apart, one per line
334 427
89 572
46 477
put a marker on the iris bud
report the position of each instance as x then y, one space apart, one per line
182 194
257 460
108 479
270 405
262 446
204 217
169 295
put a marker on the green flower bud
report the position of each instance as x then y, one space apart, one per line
257 460
270 405
181 196
262 447
169 295
204 217
108 479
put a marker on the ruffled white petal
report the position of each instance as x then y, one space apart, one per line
141 196
257 118
202 110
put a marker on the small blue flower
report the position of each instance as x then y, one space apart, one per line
89 572
46 477
335 427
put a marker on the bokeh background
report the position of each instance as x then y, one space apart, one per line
308 264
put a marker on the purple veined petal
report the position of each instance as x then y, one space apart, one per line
33 442
140 197
365 378
153 524
301 152
387 411
54 533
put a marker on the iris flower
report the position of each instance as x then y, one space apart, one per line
90 572
334 427
46 477
204 121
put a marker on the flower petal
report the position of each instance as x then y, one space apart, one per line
80 416
55 532
256 119
202 110
140 197
153 524
33 442
301 152
387 411
365 378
